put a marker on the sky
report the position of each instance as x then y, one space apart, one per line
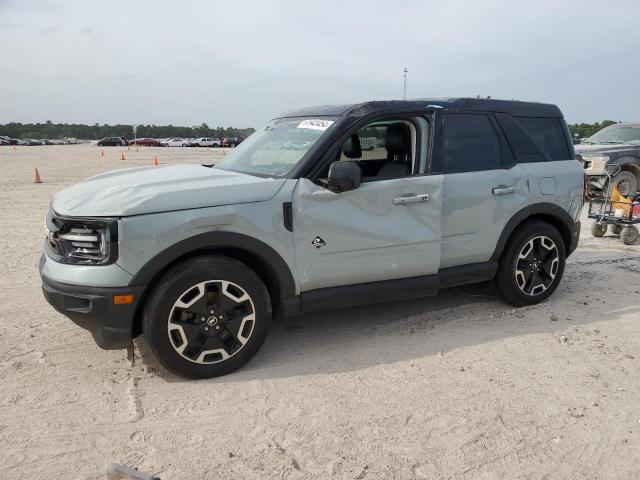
239 63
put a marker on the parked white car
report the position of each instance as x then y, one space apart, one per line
205 142
175 142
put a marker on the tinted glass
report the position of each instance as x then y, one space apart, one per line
469 144
549 134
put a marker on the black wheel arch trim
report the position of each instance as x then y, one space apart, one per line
557 216
275 268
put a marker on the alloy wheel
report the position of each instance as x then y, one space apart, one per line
211 321
537 265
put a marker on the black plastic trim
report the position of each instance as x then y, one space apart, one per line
211 241
287 213
92 308
562 219
397 289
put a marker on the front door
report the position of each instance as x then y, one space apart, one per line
387 228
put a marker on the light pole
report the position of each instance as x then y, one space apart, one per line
404 89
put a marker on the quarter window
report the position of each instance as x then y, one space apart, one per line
549 134
470 143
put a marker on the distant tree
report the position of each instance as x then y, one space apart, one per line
587 129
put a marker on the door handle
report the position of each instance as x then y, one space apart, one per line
411 198
502 190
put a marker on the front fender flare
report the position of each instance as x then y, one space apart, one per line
214 241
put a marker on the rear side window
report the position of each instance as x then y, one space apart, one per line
549 134
470 143
535 139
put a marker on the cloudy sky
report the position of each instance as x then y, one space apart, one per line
238 63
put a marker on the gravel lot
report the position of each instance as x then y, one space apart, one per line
455 386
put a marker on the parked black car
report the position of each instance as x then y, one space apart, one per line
617 144
112 142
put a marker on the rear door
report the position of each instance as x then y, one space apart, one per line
387 228
483 186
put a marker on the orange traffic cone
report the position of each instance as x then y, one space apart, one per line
155 160
122 156
37 177
102 152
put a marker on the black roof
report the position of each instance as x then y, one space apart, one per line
512 107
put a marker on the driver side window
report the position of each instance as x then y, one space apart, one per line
387 149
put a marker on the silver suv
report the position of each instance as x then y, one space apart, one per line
300 217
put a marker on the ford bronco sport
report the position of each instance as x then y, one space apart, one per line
199 258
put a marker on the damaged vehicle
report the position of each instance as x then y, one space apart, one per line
617 144
200 258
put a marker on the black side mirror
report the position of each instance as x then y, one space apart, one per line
344 176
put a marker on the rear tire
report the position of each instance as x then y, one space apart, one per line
207 317
616 229
532 264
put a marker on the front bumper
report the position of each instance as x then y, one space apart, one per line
92 308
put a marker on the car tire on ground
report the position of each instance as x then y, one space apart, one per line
598 229
629 235
207 317
531 265
627 183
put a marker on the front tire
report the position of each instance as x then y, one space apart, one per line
532 265
207 317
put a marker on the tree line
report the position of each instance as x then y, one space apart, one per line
587 129
50 130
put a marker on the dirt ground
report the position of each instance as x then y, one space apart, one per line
456 386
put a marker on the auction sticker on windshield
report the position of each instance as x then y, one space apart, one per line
315 124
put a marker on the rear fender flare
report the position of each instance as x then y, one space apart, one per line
549 212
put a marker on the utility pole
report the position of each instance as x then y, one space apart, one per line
404 90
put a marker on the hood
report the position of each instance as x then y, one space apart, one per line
604 148
138 191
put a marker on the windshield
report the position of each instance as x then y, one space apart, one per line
617 134
278 147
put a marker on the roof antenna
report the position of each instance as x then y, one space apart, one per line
404 89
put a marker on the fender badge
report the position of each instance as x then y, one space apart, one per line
318 242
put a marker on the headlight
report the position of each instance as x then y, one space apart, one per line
82 241
595 164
